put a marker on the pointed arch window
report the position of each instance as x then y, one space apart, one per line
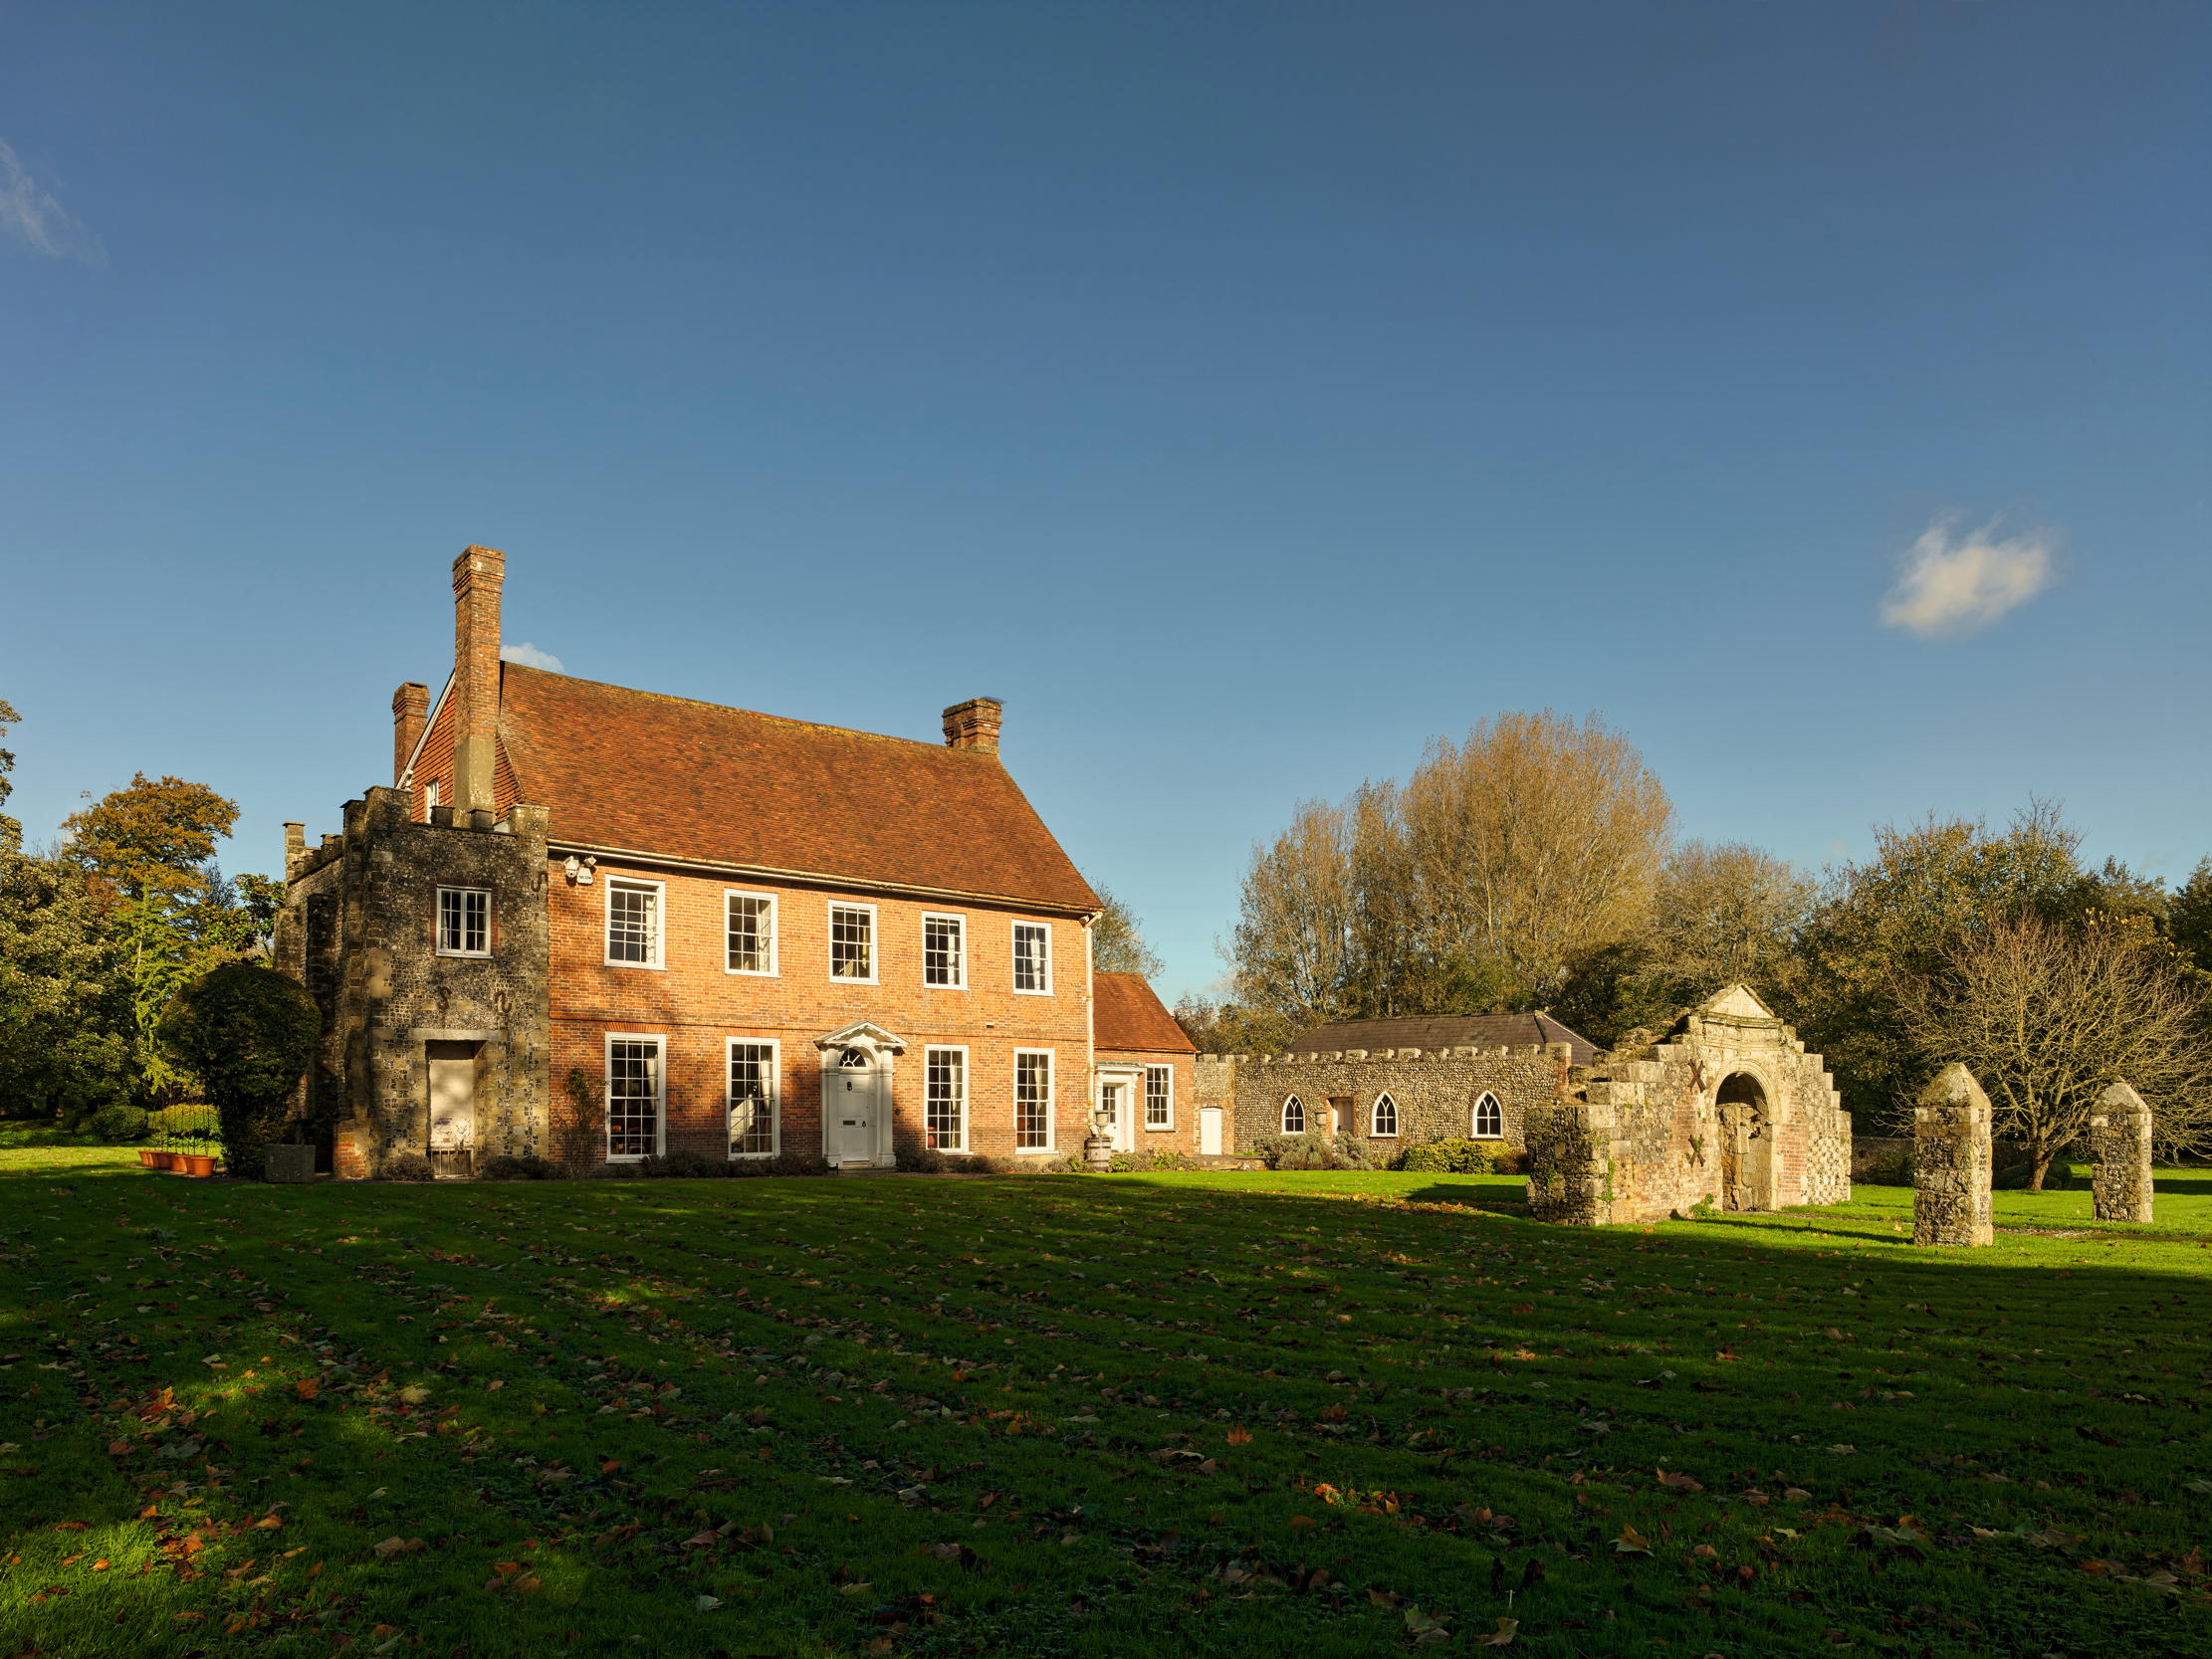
1385 1115
1489 1119
1294 1116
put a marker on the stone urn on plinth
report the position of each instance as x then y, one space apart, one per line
1098 1145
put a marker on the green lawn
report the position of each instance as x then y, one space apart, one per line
1058 1415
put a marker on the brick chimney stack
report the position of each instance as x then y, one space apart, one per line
411 713
973 724
476 577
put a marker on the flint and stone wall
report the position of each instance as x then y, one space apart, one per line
358 928
1952 1163
1435 1091
2120 1137
1647 1132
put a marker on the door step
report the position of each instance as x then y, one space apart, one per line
867 1170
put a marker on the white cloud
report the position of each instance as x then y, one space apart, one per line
531 656
1953 585
28 209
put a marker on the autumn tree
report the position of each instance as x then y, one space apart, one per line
2047 1014
151 837
1118 940
2189 917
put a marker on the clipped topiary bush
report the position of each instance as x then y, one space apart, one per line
117 1124
247 1032
503 1168
1452 1156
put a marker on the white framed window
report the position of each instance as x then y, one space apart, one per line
1159 1097
1033 958
1293 1116
1385 1123
430 795
944 1098
1033 1100
633 922
749 932
852 943
1489 1119
464 922
637 1094
945 951
755 1092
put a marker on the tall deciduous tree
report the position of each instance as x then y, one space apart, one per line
1118 940
65 1027
2047 1015
11 832
2189 916
152 836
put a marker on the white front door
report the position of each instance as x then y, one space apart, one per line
853 1112
1121 1122
1209 1131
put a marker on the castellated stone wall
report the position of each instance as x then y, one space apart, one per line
359 930
1951 1162
1435 1092
1727 1108
2120 1139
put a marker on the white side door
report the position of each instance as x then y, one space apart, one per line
1209 1131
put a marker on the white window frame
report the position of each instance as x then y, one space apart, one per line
438 922
875 944
774 1097
660 1093
966 1115
1167 1071
1283 1116
1474 1118
1051 1101
1375 1128
660 921
430 795
958 981
1013 940
771 917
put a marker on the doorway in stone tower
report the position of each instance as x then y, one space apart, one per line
1747 1144
453 1071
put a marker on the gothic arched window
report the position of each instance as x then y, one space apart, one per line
1489 1119
1385 1115
1294 1116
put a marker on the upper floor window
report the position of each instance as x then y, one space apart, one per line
635 924
1385 1115
945 951
749 933
852 942
464 922
1032 957
431 794
1159 1097
1294 1116
1489 1120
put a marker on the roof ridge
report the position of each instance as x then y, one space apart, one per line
733 709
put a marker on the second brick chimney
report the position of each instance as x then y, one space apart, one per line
476 577
411 713
973 724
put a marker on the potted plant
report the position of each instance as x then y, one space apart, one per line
198 1158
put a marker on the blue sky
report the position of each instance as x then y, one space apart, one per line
1244 392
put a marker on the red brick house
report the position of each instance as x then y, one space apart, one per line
594 924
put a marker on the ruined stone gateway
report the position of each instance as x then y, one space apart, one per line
1726 1109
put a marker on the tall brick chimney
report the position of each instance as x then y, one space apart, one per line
411 713
476 577
973 724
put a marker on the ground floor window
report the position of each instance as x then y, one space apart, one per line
1033 1100
753 1100
944 1098
1159 1097
635 1096
1294 1116
1385 1115
1489 1120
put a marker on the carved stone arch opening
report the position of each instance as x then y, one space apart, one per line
1747 1125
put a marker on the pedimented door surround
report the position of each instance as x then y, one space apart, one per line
859 1063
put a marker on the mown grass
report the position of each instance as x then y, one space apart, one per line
1068 1415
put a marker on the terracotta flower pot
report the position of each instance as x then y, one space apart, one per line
199 1164
166 1160
146 1157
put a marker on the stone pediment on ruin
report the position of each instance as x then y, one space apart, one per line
1737 1002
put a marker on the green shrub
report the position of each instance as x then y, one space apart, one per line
684 1166
407 1167
1452 1156
926 1160
118 1123
247 1032
518 1169
783 1163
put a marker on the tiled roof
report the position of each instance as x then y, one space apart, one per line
1430 1032
668 776
1126 1013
